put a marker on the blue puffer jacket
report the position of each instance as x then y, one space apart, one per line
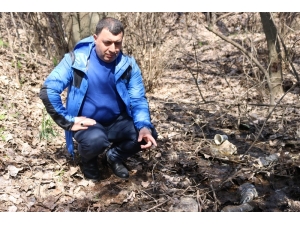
129 84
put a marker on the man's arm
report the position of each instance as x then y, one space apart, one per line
50 94
140 107
139 104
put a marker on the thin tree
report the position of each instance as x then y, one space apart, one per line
275 58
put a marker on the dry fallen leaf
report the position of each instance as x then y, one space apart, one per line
13 171
83 183
73 170
145 184
130 197
12 208
206 156
158 155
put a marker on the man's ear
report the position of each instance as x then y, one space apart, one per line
95 37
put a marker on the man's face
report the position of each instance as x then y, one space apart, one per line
108 45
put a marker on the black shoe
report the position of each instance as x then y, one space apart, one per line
90 169
118 168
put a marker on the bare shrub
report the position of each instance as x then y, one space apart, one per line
52 35
145 34
48 32
43 31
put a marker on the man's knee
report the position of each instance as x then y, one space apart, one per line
92 144
96 142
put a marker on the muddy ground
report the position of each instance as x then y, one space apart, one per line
186 172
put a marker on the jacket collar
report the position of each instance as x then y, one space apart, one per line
82 51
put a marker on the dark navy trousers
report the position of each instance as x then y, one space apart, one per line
121 136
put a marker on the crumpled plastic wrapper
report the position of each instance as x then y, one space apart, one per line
225 149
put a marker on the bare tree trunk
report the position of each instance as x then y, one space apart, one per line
79 25
55 25
275 59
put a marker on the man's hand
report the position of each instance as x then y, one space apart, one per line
146 135
82 123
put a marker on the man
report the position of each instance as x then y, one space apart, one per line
106 107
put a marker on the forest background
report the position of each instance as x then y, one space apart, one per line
205 73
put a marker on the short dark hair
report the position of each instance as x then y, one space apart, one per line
113 25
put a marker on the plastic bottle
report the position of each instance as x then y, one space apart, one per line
247 192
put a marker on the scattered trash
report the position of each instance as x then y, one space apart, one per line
238 208
247 192
219 138
222 147
184 204
265 161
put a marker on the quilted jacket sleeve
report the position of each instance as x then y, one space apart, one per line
50 94
138 101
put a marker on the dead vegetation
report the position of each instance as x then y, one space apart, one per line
204 87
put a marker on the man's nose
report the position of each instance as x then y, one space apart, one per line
112 47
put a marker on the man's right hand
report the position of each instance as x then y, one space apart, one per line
82 123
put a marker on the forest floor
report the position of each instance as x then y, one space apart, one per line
187 171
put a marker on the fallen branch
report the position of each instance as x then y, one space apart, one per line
154 207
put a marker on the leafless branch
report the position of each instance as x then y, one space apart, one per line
270 113
242 49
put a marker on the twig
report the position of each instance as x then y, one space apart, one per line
277 105
215 197
186 190
235 100
195 79
39 190
231 177
149 153
154 207
198 201
234 104
270 113
223 16
153 174
14 23
10 41
149 195
287 57
60 166
241 48
202 201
